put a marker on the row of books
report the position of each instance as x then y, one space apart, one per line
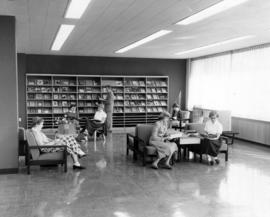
156 96
114 89
118 103
135 89
87 104
134 96
64 89
157 90
39 96
134 83
89 82
117 96
156 83
64 96
39 104
156 103
39 89
118 110
63 103
135 109
135 103
156 109
112 83
39 110
65 82
39 82
88 90
88 96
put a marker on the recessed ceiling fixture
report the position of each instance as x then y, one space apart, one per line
61 36
215 44
210 11
76 8
144 40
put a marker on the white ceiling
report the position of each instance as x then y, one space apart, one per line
108 25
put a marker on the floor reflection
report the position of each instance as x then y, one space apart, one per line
114 186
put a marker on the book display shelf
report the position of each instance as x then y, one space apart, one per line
137 99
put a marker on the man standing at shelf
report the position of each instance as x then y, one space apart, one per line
109 104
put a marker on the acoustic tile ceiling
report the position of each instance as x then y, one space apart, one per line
108 25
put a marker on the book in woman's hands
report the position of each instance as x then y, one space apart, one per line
208 136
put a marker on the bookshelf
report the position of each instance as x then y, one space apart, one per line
138 99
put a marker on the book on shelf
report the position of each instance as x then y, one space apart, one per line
164 90
31 82
55 96
64 103
39 82
72 97
142 83
64 96
55 103
158 90
39 96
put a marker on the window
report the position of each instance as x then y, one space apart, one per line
238 81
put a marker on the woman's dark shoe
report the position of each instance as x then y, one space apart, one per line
217 161
81 156
211 163
78 167
154 166
167 166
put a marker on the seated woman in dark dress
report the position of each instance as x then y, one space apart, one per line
211 144
176 117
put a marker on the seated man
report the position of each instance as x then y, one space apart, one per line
97 122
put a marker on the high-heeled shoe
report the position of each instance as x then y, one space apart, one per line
154 166
167 166
78 167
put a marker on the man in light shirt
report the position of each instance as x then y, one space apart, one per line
97 122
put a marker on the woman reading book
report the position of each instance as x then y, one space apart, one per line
160 139
210 143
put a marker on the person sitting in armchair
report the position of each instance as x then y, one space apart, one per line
97 122
160 139
176 117
211 143
73 148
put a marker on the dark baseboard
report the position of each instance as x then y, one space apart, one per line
9 171
255 143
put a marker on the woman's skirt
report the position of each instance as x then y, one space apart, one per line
164 149
207 146
72 146
93 125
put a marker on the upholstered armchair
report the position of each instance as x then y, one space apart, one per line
139 144
34 155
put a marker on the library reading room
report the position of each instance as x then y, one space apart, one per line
134 108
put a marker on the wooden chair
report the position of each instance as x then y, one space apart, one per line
35 156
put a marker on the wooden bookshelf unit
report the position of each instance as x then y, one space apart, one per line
139 99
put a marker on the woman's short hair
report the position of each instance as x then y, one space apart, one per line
176 105
36 121
164 115
213 113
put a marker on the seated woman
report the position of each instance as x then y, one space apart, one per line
176 115
160 139
211 144
72 116
99 119
73 148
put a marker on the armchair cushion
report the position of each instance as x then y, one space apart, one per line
151 150
52 156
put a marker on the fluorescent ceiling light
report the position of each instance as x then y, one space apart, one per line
61 36
210 11
215 44
76 8
144 40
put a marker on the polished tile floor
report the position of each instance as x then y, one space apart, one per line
113 186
